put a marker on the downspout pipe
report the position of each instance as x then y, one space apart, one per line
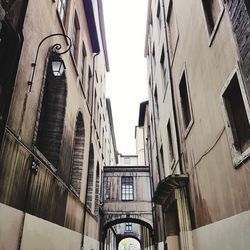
153 108
90 139
152 188
172 91
158 166
101 209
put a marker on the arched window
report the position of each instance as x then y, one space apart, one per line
51 122
78 153
97 189
90 176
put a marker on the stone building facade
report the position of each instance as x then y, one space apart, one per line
196 123
57 128
127 209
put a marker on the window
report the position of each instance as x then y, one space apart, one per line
237 117
173 34
127 188
90 177
78 153
128 227
97 190
84 54
96 77
185 104
213 10
94 108
126 160
62 9
75 34
163 67
156 103
51 120
170 144
247 3
158 13
89 87
162 157
153 54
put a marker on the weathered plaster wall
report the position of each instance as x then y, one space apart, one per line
42 235
10 227
229 234
239 15
208 65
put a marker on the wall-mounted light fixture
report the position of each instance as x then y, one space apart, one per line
58 66
57 63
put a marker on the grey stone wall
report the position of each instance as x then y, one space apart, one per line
239 14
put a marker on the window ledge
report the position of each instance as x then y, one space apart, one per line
47 163
240 158
187 130
172 164
72 189
216 27
74 62
61 23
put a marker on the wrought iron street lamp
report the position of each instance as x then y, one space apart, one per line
58 67
57 63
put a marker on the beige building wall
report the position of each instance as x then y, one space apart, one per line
41 234
217 174
11 224
207 72
139 136
127 160
53 206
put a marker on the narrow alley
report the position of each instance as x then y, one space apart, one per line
64 184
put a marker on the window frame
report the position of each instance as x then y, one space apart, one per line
211 35
59 10
83 65
191 122
128 227
172 47
156 103
126 193
75 35
237 156
158 14
164 70
170 141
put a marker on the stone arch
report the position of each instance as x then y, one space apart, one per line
78 154
111 223
52 113
90 176
97 188
119 239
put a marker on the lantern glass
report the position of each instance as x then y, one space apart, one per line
58 67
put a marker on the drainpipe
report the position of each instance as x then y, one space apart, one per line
152 188
156 142
154 122
172 91
101 212
90 139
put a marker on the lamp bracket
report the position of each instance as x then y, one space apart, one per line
55 48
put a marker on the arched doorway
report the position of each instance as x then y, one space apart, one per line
129 243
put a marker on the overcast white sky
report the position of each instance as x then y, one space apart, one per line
125 25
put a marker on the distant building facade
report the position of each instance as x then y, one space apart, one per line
127 209
196 124
57 130
127 160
